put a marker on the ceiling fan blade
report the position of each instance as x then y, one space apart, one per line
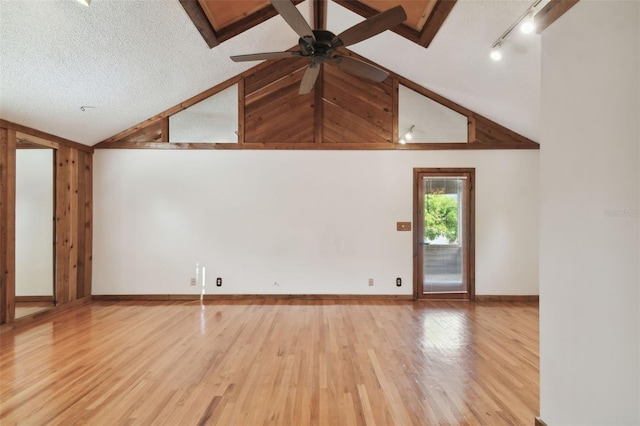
372 26
294 18
309 79
264 56
359 68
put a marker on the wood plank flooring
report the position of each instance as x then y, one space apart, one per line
28 308
274 363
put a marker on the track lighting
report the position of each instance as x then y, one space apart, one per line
496 52
407 136
526 23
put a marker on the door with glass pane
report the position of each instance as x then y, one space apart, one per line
444 233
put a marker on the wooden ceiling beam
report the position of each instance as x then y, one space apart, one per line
200 20
437 17
320 14
439 14
551 12
214 37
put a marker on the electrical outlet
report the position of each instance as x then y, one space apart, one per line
370 282
399 282
193 282
219 282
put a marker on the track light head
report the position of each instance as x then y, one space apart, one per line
496 53
528 24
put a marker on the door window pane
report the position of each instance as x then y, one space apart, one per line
443 249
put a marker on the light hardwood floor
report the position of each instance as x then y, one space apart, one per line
275 362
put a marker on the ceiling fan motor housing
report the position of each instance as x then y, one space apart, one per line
321 49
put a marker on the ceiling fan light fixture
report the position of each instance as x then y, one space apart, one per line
320 46
84 2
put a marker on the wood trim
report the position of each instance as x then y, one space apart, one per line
165 130
539 422
439 14
73 220
418 201
241 113
395 112
63 224
7 224
45 315
348 146
551 12
36 140
429 30
172 297
34 299
507 298
201 22
318 107
214 37
27 131
86 255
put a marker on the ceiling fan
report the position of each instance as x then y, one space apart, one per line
321 45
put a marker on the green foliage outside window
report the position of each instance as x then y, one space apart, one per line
440 217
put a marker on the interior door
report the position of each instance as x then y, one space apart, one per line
444 218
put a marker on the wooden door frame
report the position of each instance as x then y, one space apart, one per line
417 238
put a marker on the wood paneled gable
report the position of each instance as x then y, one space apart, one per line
342 112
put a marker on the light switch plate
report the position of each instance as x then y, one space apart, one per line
403 226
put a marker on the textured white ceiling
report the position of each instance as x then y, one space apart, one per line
132 59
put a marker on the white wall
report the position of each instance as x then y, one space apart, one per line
34 222
590 232
316 222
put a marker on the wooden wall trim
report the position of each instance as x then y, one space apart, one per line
507 298
551 12
42 135
73 217
7 224
348 146
209 297
34 299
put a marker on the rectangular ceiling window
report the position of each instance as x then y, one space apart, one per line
212 120
423 120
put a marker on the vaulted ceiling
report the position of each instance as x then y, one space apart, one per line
86 74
